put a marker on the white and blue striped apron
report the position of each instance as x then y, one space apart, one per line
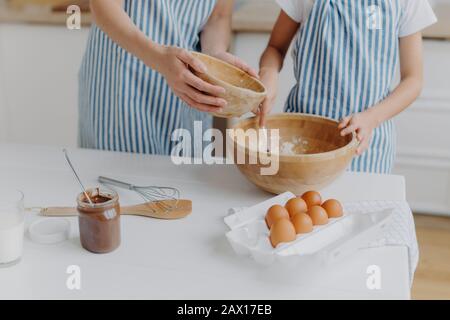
345 57
126 106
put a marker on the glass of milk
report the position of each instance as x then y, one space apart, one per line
11 226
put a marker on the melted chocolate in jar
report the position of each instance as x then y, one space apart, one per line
99 224
98 199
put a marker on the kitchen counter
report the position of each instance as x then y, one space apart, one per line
185 259
249 16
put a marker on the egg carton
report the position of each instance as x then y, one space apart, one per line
341 237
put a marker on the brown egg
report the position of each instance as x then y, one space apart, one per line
302 223
312 198
296 205
333 208
282 231
318 215
276 213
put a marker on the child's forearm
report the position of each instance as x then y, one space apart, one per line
411 69
271 60
283 32
401 98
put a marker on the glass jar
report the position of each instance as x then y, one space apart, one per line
11 226
99 222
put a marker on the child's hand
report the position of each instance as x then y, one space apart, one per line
270 80
361 123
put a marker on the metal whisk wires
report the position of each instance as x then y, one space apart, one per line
165 198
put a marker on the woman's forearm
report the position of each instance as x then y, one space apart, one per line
216 34
113 20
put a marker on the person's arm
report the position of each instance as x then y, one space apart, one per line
172 62
411 69
216 36
272 60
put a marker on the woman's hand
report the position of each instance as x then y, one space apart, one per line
173 64
270 80
363 125
235 61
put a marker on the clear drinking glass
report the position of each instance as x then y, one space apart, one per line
11 226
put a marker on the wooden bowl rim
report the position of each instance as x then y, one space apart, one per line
230 66
352 145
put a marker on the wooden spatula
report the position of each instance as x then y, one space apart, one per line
151 210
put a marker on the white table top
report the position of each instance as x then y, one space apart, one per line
185 259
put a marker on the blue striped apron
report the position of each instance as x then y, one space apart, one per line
345 58
124 105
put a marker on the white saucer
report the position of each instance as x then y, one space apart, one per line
49 231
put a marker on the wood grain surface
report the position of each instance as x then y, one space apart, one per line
323 153
432 279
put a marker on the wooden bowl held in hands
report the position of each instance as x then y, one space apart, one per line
317 155
244 93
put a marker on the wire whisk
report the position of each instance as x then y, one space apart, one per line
165 198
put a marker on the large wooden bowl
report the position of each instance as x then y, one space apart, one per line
243 92
321 157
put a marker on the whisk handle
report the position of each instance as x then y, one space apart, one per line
116 183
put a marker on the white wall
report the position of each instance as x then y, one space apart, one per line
38 83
